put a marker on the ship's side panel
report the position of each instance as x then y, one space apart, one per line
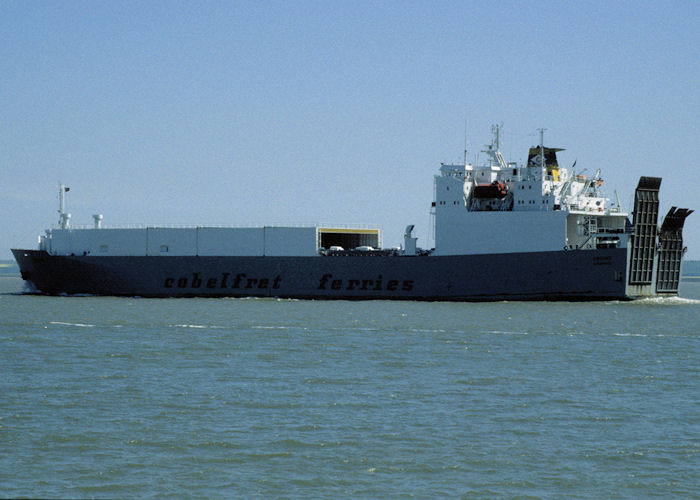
578 275
98 242
171 241
69 241
467 233
118 242
243 241
289 241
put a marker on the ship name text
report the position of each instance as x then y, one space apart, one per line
327 282
226 280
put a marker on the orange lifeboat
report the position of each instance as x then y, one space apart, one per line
496 189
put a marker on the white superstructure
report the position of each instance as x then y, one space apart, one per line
500 207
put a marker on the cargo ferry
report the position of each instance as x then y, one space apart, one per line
502 231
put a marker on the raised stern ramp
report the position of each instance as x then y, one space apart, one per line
643 245
671 250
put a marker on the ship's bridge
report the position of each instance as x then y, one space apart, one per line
458 171
501 206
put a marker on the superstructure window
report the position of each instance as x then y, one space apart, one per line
164 248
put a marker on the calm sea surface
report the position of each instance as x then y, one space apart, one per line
122 397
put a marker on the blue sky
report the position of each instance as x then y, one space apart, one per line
329 111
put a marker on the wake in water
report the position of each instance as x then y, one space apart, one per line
82 325
30 288
665 301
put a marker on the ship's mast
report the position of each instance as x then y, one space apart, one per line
63 217
496 130
494 150
465 143
542 146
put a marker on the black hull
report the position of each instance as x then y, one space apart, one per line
573 275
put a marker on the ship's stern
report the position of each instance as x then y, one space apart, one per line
654 254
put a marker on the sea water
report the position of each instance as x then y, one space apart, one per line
127 397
